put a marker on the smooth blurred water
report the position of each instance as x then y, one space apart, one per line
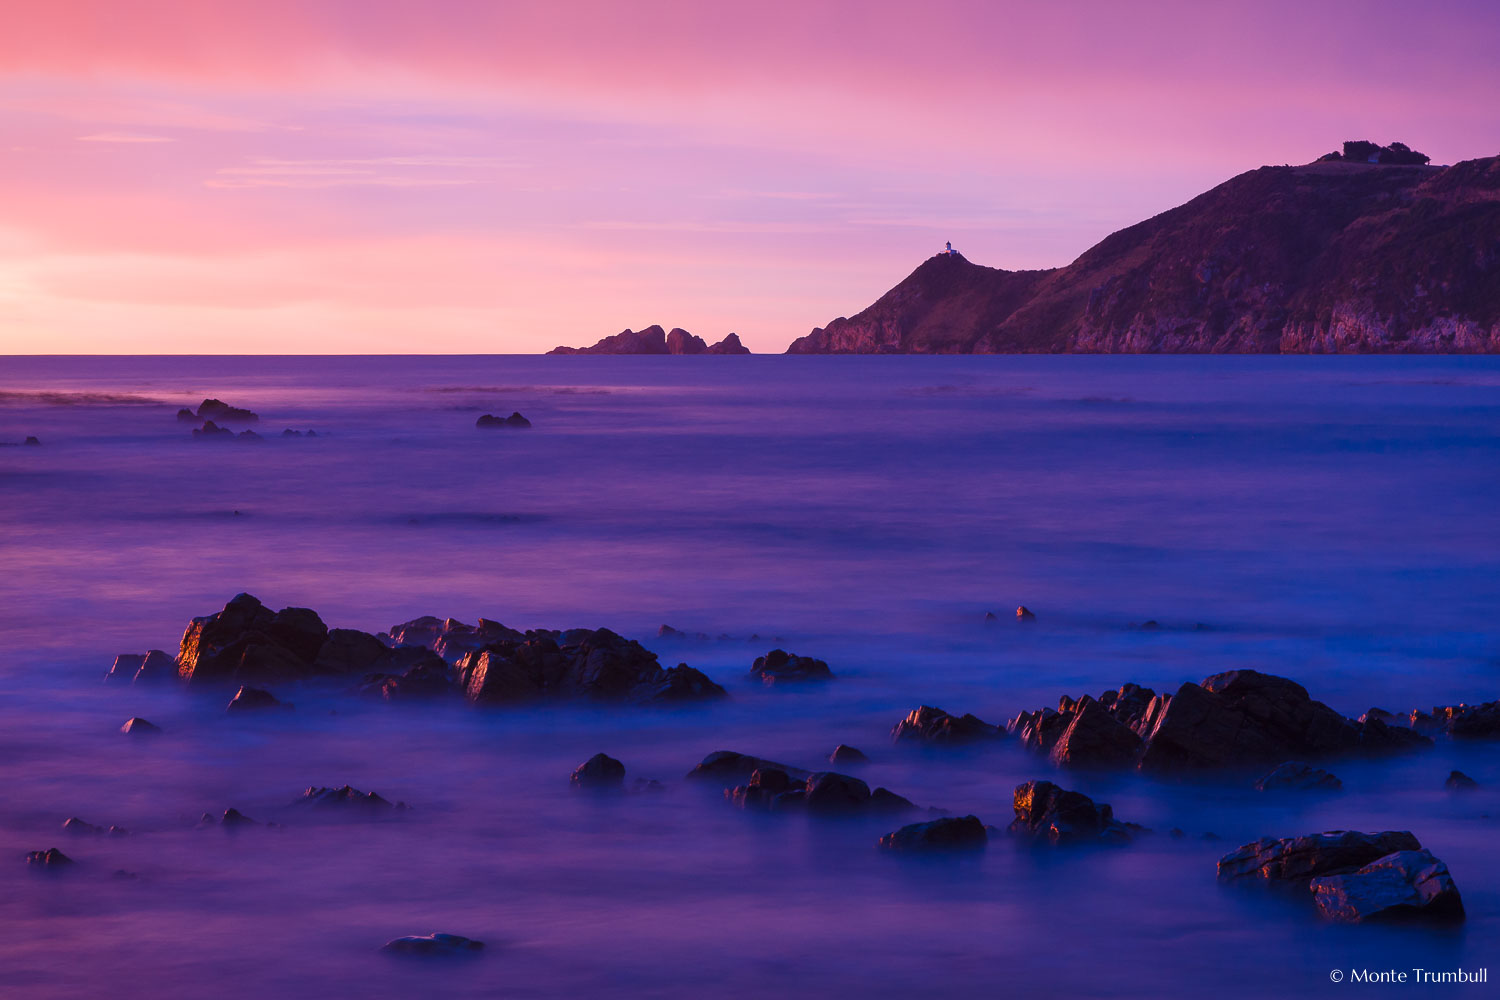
1329 519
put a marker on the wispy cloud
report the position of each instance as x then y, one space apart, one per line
124 138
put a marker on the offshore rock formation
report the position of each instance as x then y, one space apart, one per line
780 667
1045 812
951 833
653 340
1329 257
926 724
1237 718
247 643
825 793
1297 860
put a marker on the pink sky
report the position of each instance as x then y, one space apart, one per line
287 176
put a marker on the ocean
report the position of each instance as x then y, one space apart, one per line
1329 519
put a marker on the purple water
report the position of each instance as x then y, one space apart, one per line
1329 519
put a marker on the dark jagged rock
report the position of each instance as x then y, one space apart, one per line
248 642
1333 257
514 422
212 430
951 833
1024 614
599 772
781 667
1299 859
215 409
249 699
824 793
1095 738
727 768
249 436
449 637
1295 776
347 799
432 945
1233 719
78 827
32 441
51 859
653 340
349 651
427 678
580 663
1458 781
140 727
186 416
845 754
933 725
232 819
1405 885
1059 816
829 792
124 668
141 668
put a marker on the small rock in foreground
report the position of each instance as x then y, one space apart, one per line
1404 885
1046 812
1299 859
845 754
249 699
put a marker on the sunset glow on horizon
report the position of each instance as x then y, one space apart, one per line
235 177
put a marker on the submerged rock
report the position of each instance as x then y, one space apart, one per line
599 773
51 858
824 793
781 667
845 754
1404 885
514 421
249 699
951 833
1059 816
1295 776
728 768
347 799
140 727
1298 859
432 945
1024 614
1459 781
212 430
933 725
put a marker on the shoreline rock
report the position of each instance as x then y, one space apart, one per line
781 667
926 724
1045 812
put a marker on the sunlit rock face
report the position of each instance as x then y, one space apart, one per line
248 642
1058 816
927 724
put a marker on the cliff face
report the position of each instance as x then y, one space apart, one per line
653 340
1328 257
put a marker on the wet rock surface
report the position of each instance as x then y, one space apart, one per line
1296 860
933 725
781 667
845 754
951 833
1295 776
1045 812
600 772
1404 885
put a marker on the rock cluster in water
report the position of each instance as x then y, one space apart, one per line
248 644
514 422
781 667
1241 717
1045 812
933 725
